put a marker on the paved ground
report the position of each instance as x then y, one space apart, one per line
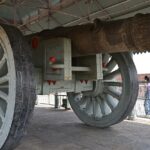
61 130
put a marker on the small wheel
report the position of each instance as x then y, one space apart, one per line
17 91
112 98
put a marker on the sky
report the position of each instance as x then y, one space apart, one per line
142 62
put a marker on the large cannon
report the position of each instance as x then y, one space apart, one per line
131 34
91 62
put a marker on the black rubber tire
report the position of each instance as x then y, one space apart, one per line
128 100
25 87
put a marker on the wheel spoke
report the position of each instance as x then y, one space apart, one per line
104 97
89 107
106 107
112 74
97 110
2 114
111 65
4 96
112 93
101 104
94 107
2 61
4 79
112 102
119 84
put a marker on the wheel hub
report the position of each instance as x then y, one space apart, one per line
99 88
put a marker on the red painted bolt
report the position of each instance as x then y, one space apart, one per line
52 59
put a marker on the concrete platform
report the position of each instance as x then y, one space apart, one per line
61 130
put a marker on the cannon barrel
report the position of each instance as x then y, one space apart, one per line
131 34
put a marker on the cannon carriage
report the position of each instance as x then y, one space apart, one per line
91 62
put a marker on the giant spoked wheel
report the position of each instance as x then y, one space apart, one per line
17 93
112 98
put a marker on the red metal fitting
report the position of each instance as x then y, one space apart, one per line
54 69
104 65
81 81
54 82
52 59
35 42
51 81
86 81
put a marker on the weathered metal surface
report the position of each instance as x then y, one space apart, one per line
131 34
